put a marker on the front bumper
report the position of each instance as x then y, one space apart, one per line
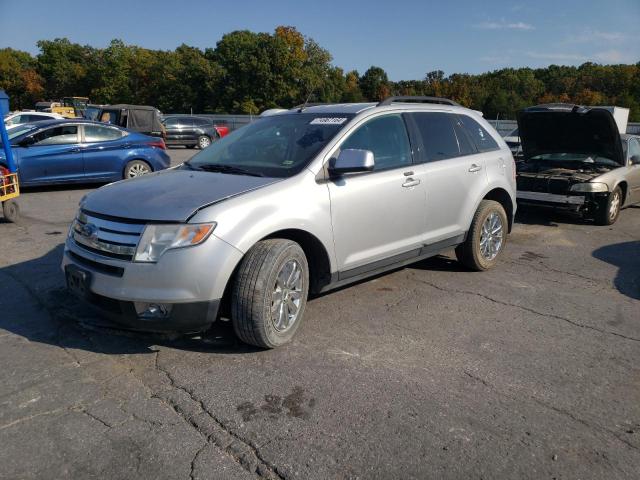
191 281
551 198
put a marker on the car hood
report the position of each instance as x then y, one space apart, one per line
169 195
575 129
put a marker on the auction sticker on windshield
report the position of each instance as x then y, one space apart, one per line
328 121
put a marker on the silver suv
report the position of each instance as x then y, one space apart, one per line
296 203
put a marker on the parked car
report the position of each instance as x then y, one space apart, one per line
575 158
138 118
299 202
189 131
19 118
81 151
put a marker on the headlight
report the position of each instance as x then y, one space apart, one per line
590 187
157 239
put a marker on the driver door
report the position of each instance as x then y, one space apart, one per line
53 157
378 217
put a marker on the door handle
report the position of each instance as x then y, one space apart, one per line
475 168
411 182
74 150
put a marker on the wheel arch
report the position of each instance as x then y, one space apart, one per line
501 196
314 250
625 189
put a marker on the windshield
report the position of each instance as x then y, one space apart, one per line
573 157
278 146
15 131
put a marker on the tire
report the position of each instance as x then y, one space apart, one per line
203 142
609 209
11 211
136 168
258 287
472 253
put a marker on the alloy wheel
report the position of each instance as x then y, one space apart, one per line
491 237
287 296
137 170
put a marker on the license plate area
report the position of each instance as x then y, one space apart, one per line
78 280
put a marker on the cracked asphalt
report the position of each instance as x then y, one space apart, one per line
527 371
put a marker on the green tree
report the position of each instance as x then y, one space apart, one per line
374 84
19 78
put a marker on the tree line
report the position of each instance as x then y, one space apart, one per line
248 72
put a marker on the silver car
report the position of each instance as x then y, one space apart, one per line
575 158
296 203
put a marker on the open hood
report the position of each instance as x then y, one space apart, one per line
169 195
569 129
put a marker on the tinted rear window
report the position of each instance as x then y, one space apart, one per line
484 142
438 136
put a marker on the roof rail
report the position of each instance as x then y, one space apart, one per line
439 100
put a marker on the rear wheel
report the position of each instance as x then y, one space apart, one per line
609 209
486 237
270 293
11 211
136 168
203 141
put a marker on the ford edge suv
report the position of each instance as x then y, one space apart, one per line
296 203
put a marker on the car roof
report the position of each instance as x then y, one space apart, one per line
355 108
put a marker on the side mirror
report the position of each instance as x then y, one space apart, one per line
635 159
351 161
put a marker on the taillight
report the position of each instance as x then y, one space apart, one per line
158 144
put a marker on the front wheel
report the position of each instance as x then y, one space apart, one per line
609 210
136 168
203 142
486 237
270 293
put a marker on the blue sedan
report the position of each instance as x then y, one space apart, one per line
82 151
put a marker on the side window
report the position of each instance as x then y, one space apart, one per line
16 120
387 138
65 134
95 133
464 142
438 135
634 147
484 142
171 122
36 118
201 122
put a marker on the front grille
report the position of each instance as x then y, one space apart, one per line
99 267
113 238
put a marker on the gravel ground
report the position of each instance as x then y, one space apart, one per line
527 371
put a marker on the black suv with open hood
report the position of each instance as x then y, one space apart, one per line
575 157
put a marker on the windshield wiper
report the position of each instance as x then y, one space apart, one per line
215 167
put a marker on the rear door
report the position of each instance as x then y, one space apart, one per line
453 171
633 175
378 216
54 157
103 150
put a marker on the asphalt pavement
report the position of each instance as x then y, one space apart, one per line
526 371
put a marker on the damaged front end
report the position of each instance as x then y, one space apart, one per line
566 149
539 183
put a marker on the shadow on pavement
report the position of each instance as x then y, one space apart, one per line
625 256
530 215
35 304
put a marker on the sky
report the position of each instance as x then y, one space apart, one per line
407 38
